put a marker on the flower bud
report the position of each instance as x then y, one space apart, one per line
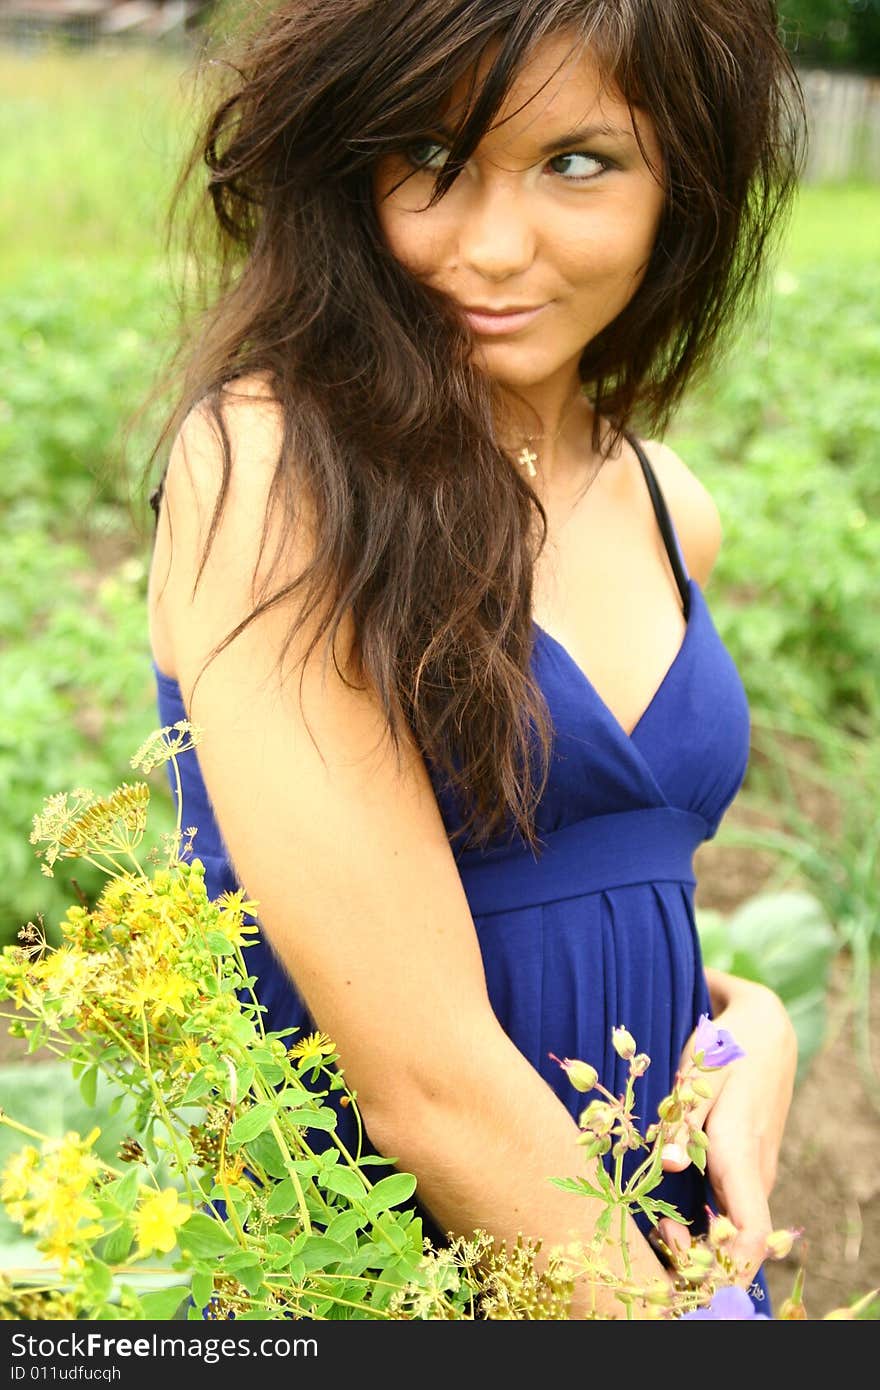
779 1243
624 1043
582 1076
590 1144
598 1117
669 1110
698 1264
697 1137
702 1088
792 1310
721 1230
659 1294
640 1064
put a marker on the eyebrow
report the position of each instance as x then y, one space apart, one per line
583 135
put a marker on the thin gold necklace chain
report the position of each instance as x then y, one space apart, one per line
527 458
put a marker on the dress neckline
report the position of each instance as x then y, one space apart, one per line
547 637
554 642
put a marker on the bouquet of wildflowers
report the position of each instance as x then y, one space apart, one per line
220 1181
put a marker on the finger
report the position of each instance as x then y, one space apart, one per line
675 1154
741 1198
675 1237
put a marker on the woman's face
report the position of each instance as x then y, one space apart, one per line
540 219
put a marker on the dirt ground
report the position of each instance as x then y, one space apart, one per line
829 1178
828 1184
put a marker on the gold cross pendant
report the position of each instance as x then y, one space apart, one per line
528 458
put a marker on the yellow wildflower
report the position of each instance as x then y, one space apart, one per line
157 1220
17 1176
313 1048
230 1170
188 1055
164 744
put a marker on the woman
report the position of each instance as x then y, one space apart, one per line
463 245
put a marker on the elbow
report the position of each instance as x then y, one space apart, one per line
435 1094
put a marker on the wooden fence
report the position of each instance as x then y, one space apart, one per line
844 126
26 22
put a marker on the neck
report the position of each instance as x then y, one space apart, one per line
547 430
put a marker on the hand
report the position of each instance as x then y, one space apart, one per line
745 1118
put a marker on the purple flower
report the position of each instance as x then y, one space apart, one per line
718 1047
729 1304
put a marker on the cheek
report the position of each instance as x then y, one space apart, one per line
414 237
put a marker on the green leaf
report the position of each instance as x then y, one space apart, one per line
789 936
98 1279
162 1304
282 1199
203 1236
579 1185
125 1190
314 1119
292 1098
250 1124
318 1252
279 1249
390 1192
88 1085
218 944
603 1221
714 942
199 1086
240 1260
266 1152
697 1156
653 1206
118 1243
345 1181
343 1226
202 1287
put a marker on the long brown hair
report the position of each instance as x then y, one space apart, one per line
425 531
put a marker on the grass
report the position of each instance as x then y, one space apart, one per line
89 149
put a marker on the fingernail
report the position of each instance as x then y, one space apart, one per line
673 1153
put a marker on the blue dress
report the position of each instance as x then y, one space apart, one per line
599 930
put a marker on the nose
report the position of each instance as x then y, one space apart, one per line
496 237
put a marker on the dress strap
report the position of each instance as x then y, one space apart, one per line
664 520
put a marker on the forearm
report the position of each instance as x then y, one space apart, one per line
483 1157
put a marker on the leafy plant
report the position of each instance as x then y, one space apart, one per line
784 941
150 989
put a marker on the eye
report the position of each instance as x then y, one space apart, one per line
590 166
419 154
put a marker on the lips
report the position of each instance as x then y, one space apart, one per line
495 322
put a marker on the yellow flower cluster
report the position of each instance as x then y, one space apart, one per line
52 1193
141 956
313 1048
157 1219
80 823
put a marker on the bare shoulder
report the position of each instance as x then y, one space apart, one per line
252 420
692 507
216 560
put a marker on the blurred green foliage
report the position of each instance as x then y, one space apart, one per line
833 33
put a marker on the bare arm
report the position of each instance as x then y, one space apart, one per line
358 890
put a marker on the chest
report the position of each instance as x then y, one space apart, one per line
605 592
